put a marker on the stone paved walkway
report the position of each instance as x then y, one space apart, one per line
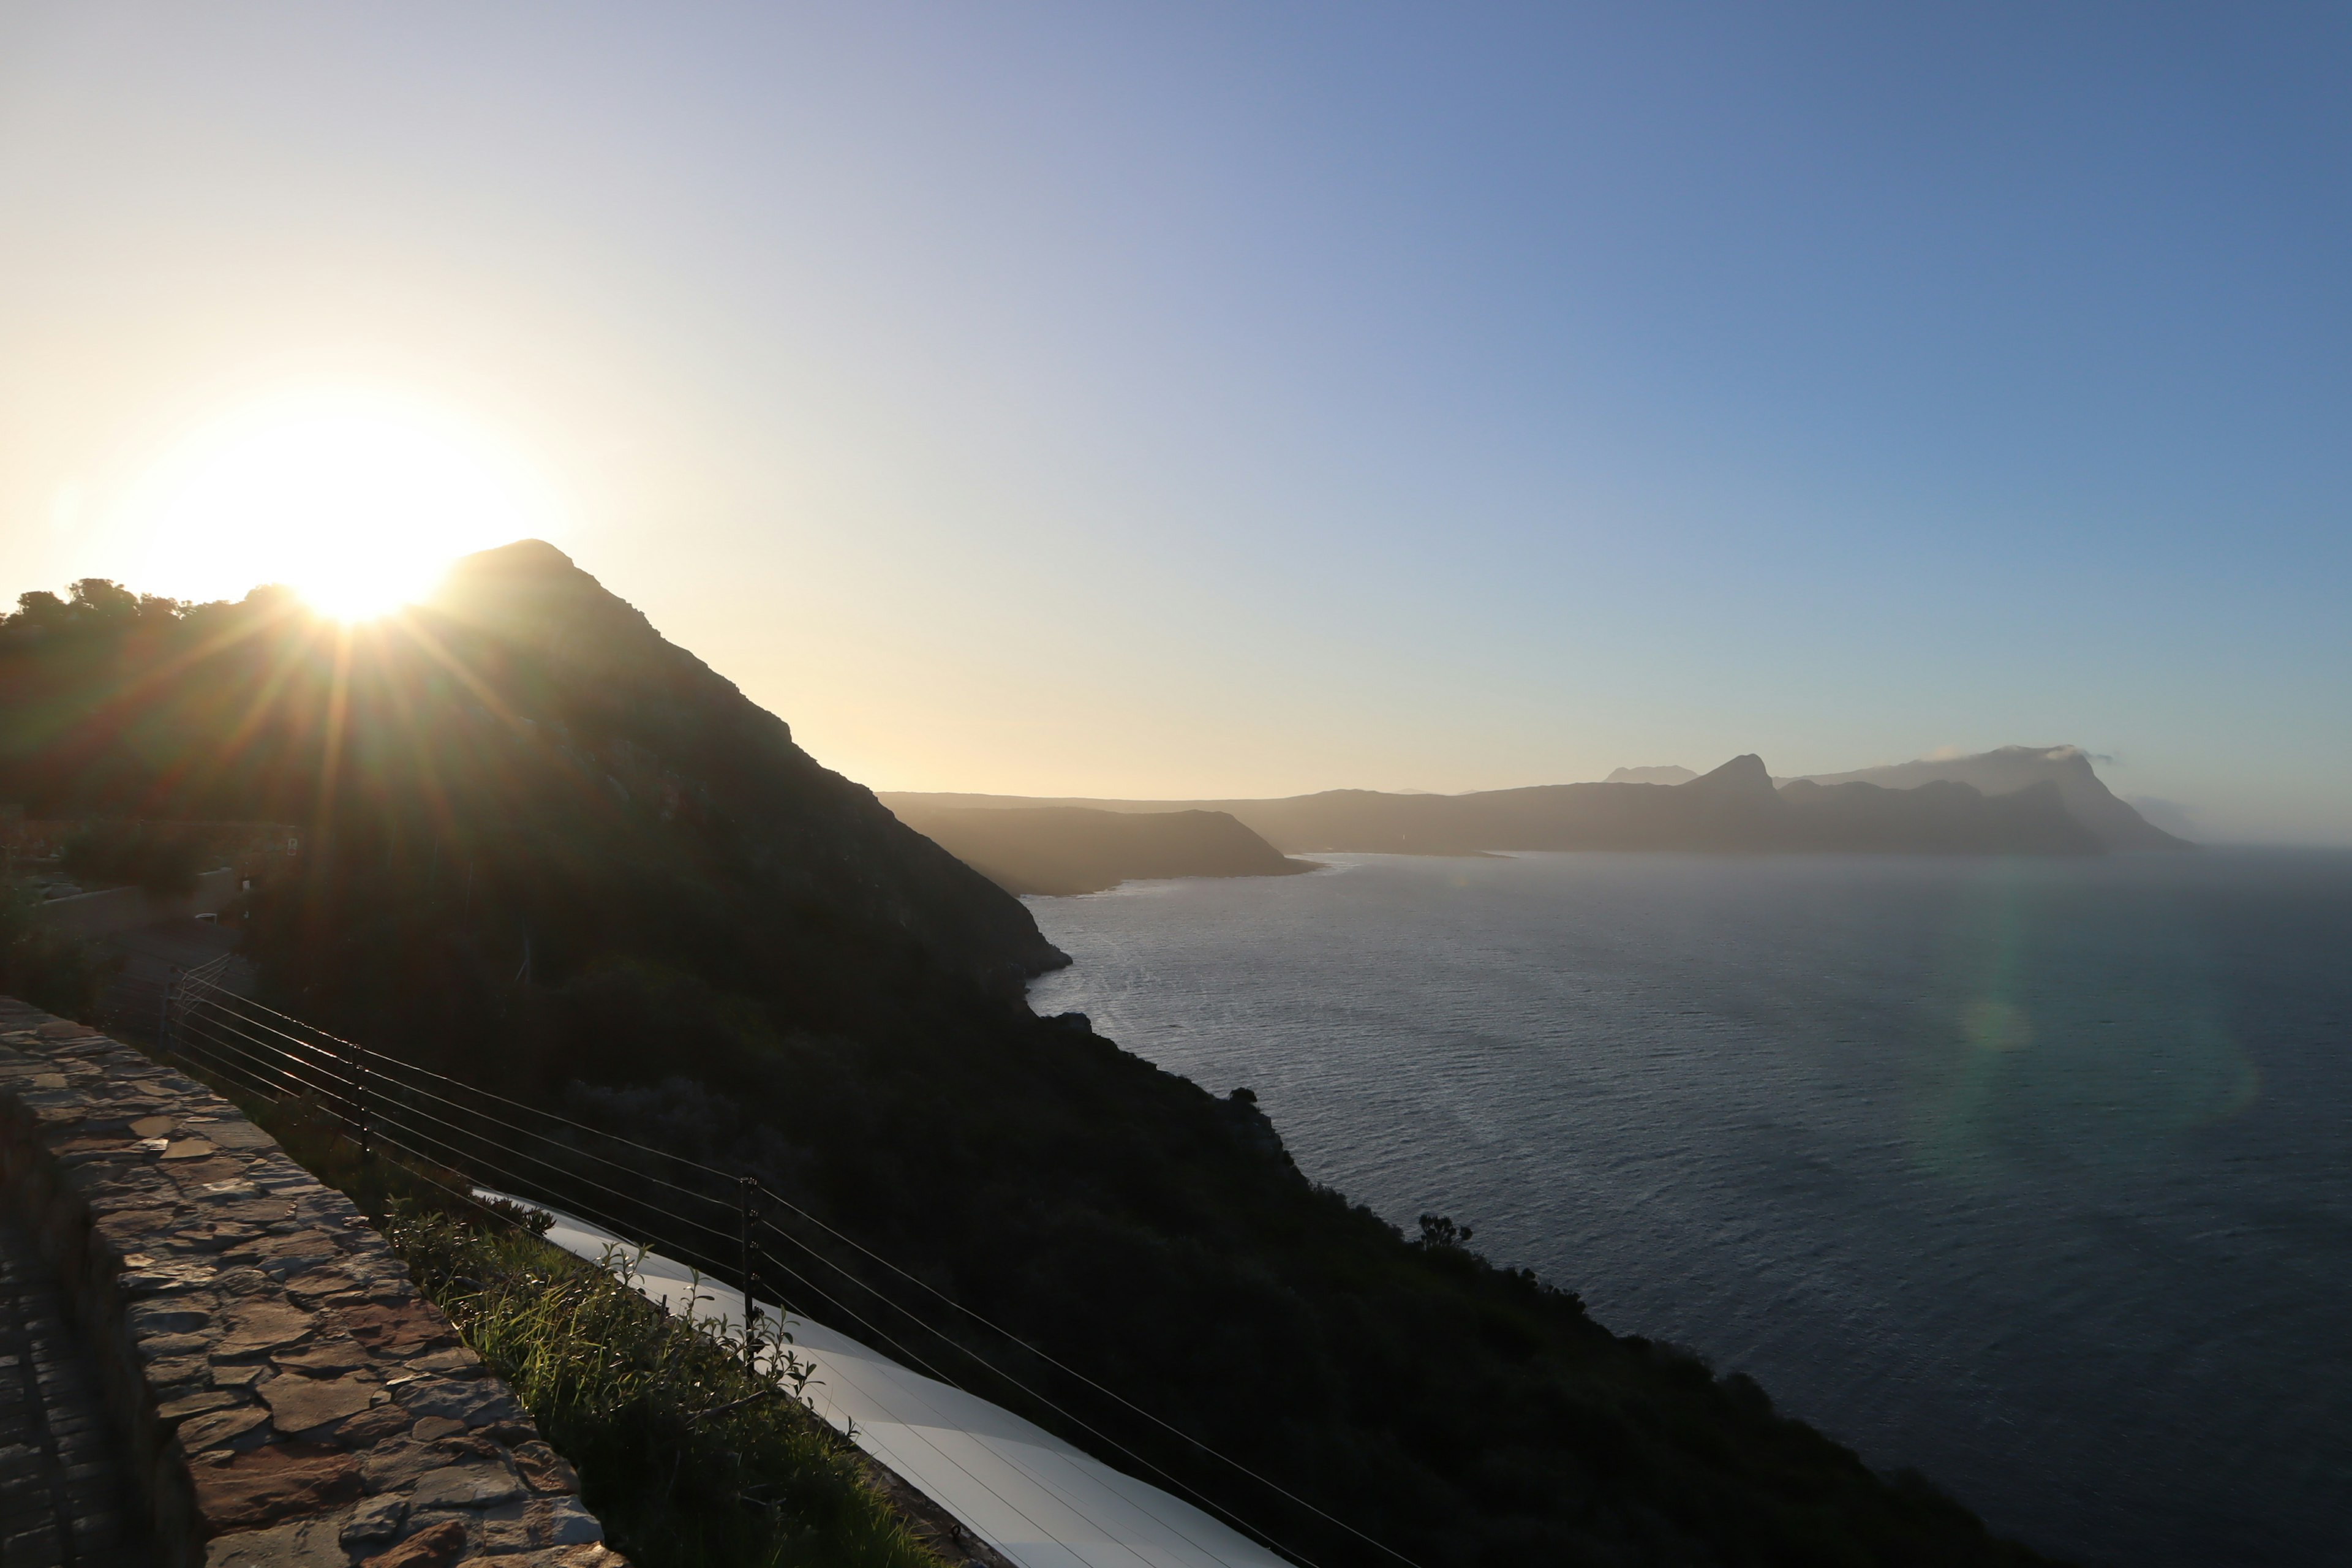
64 1501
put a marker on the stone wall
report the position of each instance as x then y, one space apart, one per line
284 1396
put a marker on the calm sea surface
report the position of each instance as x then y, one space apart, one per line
2034 1175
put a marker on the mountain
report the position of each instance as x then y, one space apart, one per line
1665 775
546 852
2010 769
532 745
1071 850
1736 807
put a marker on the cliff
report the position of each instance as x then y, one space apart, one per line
549 854
1072 850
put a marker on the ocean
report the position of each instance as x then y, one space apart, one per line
2033 1175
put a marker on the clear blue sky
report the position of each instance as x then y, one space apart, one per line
1202 399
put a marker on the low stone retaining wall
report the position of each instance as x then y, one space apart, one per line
286 1397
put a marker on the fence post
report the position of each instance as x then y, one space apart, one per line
746 1190
163 1018
358 1099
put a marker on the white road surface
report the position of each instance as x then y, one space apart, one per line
1011 1483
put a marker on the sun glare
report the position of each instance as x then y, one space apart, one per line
359 505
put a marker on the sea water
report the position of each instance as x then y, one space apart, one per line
2033 1175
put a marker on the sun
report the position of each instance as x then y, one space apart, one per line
358 503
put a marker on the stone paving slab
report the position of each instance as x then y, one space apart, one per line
287 1398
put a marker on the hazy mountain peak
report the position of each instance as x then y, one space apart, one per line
1667 775
2006 770
1743 775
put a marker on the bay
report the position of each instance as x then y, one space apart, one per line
2035 1175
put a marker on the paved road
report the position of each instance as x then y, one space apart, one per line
1034 1498
64 1499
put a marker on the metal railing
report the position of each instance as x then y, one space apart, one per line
459 1137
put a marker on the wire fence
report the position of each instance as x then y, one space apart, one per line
730 1226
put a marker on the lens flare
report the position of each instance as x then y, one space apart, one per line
358 504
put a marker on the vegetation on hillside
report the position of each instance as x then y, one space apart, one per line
549 853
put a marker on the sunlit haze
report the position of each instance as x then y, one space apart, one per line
359 504
1235 401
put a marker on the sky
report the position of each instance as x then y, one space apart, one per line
1220 400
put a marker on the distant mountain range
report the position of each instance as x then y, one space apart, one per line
2042 800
